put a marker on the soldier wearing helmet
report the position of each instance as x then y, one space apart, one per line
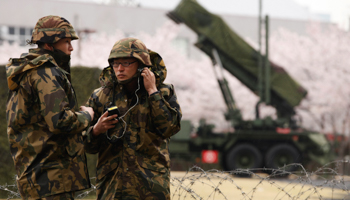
44 124
133 145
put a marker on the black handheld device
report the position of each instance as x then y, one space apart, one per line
113 110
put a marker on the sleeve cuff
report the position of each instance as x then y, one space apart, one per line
155 96
86 114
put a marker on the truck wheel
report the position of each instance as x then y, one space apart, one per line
243 157
282 159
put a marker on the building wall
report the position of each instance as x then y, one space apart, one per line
19 15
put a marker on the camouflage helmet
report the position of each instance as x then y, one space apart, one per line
130 48
52 28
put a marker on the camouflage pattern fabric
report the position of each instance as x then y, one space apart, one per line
50 29
62 196
130 47
138 165
44 127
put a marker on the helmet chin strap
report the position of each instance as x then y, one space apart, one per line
61 58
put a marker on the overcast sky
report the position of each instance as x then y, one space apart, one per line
339 10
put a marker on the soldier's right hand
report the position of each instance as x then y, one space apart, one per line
89 110
104 123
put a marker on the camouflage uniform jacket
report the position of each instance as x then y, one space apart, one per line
44 127
137 166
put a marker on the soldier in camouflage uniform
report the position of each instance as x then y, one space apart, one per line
44 124
133 148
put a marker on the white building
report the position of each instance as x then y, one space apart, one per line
18 17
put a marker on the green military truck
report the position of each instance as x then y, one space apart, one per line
259 143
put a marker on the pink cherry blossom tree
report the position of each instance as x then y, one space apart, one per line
318 61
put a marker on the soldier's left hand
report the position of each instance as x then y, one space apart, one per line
104 123
149 80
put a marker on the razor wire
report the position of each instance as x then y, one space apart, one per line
325 182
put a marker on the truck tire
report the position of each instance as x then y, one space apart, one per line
242 158
282 159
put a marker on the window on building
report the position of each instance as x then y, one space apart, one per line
22 31
15 34
11 30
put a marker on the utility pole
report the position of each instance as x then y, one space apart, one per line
260 64
263 67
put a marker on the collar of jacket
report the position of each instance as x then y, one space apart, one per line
17 67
